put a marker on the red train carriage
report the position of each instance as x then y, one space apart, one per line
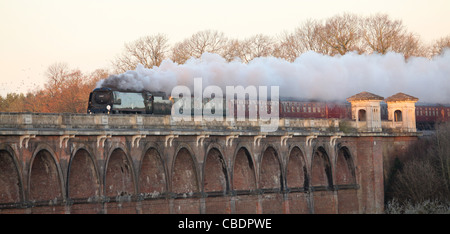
427 115
299 109
339 110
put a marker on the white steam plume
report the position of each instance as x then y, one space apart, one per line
310 76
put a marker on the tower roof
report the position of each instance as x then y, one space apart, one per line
401 97
364 96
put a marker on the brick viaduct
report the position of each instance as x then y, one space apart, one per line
69 163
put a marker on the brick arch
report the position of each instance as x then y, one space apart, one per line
321 174
345 167
216 183
297 181
270 175
346 182
82 175
215 172
244 173
244 182
152 173
11 187
119 174
45 180
297 173
271 181
184 172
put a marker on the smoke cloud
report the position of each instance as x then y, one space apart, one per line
311 76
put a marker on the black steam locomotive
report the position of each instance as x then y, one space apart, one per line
109 101
106 100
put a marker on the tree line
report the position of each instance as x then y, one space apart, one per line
67 90
336 35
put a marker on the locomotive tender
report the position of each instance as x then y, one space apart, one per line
109 101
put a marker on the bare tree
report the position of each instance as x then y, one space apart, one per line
233 50
287 47
94 77
340 33
439 45
199 43
380 32
56 75
304 38
257 46
248 49
149 51
409 45
180 53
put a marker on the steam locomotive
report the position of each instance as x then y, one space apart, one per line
106 100
109 101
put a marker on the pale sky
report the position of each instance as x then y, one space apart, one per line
88 34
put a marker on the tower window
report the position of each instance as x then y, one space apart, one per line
362 115
397 116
